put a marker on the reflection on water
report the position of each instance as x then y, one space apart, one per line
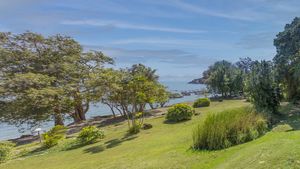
9 131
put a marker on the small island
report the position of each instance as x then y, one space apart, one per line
197 81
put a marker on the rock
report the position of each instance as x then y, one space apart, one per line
197 81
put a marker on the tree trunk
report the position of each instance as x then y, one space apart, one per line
75 117
58 119
119 110
151 105
111 109
80 111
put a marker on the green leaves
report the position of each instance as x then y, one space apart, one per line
224 78
46 74
287 59
262 89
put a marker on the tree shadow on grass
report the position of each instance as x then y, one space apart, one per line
73 146
174 122
36 151
94 149
289 116
116 142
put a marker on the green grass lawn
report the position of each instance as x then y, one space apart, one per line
168 146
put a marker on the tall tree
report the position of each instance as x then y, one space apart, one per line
224 78
131 89
287 59
263 91
43 77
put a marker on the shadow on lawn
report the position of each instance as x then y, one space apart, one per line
115 142
99 148
94 149
36 151
289 115
174 122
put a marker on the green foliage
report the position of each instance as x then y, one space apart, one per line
287 61
201 102
180 112
5 151
224 78
228 128
262 90
131 89
90 134
46 77
134 129
53 136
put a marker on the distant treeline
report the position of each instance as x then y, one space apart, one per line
265 83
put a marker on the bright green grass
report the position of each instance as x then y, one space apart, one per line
168 146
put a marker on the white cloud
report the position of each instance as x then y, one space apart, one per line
197 9
159 41
125 25
172 56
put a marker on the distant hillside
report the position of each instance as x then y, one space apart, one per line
197 81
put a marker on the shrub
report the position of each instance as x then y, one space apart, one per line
228 128
90 134
202 102
147 126
5 151
179 112
52 137
134 129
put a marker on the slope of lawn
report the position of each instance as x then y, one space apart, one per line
168 146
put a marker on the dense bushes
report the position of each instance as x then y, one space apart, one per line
5 151
90 134
179 112
201 102
228 128
52 137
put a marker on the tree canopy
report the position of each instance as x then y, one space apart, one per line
44 77
287 59
224 78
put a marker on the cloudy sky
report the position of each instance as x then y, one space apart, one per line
179 38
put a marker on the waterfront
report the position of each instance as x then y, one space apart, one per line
10 131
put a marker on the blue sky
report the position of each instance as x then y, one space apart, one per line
179 38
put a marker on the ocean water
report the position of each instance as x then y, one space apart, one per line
10 131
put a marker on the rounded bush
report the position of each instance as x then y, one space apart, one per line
52 137
202 102
90 134
180 112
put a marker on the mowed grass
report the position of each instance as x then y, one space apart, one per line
168 146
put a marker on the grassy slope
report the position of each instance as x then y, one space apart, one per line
168 146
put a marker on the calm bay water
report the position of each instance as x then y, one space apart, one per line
9 131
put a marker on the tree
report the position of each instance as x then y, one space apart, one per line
287 59
129 90
263 91
244 64
224 78
162 96
43 77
